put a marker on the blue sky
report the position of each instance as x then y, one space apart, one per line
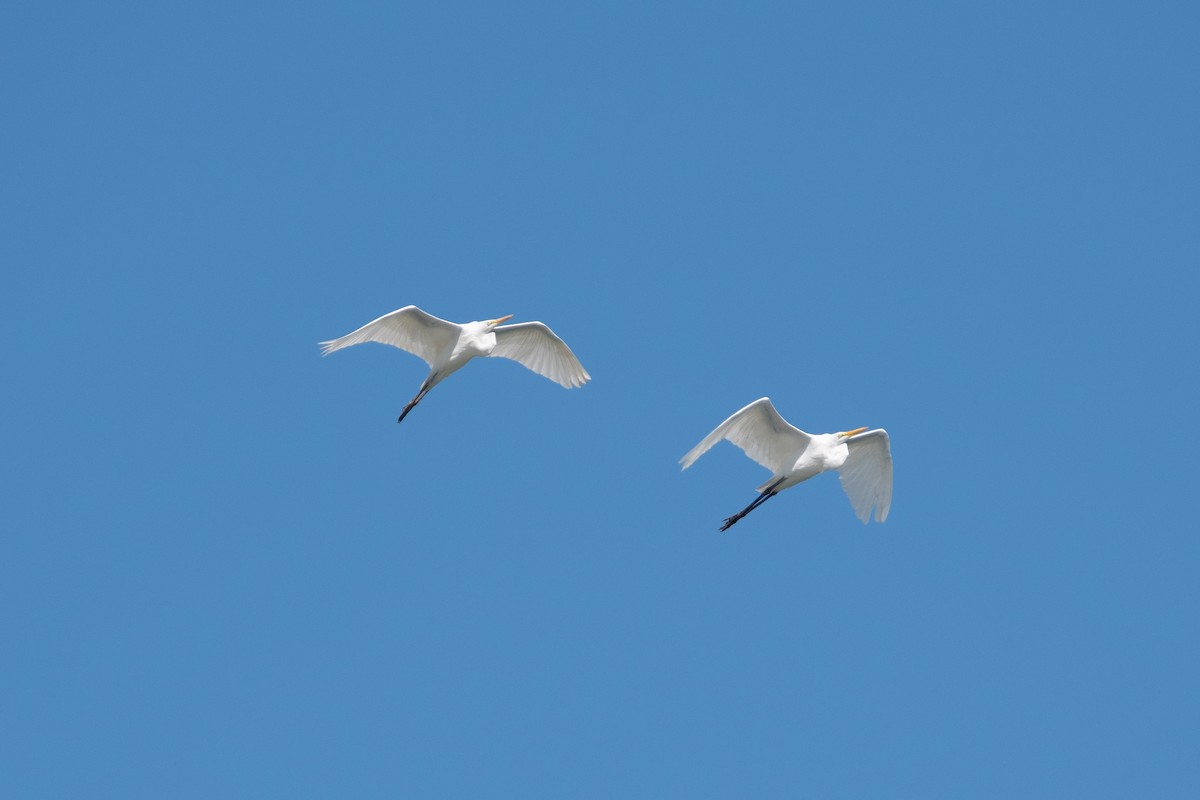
227 572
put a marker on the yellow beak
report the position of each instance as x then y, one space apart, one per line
854 432
498 320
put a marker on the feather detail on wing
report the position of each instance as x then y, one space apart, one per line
867 474
536 347
761 432
408 328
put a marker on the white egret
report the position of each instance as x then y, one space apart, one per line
862 458
447 346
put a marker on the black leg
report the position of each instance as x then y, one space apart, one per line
763 497
412 404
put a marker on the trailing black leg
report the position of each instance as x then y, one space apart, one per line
763 497
412 403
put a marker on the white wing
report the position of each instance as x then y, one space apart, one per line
535 346
408 328
764 435
867 474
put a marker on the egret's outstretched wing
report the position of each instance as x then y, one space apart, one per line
408 328
535 346
867 474
761 432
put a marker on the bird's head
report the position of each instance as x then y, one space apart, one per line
844 435
492 323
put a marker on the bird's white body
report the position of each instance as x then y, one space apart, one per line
447 346
862 458
474 339
825 451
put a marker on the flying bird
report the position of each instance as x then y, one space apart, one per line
447 346
863 458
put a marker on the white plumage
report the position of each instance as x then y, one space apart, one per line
863 458
447 346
